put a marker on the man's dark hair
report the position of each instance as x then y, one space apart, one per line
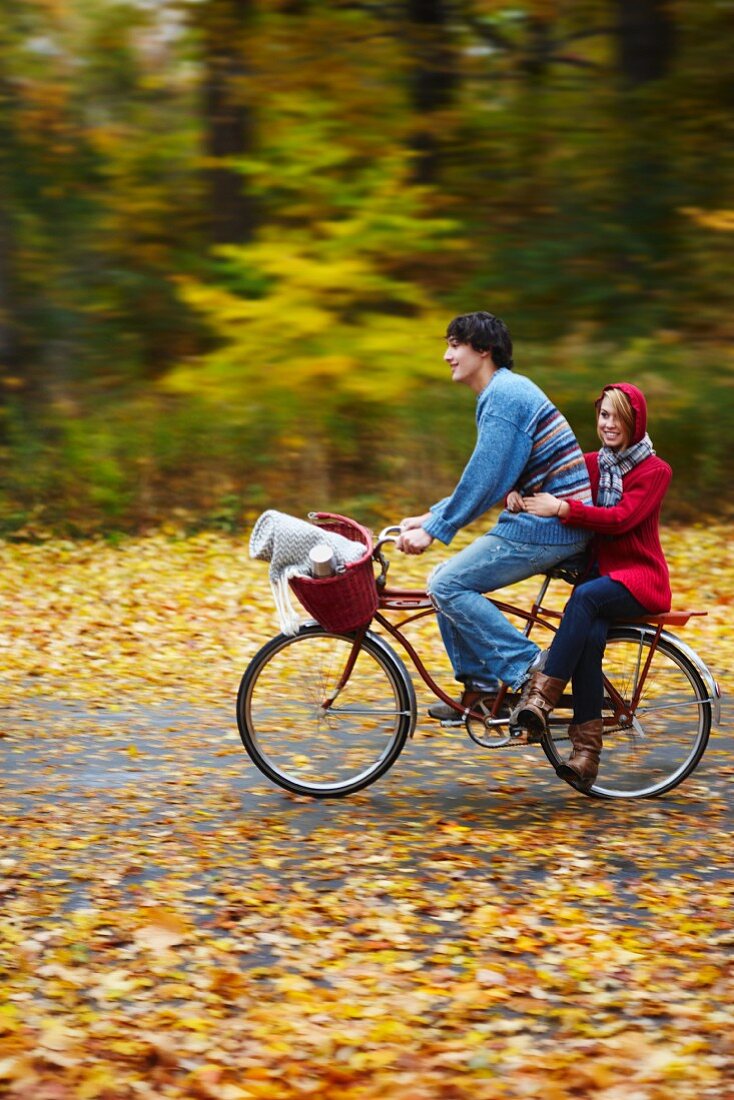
484 332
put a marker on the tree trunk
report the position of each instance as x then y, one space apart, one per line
228 117
534 142
8 323
645 177
645 40
8 336
433 79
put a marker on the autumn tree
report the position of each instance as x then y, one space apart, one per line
9 350
433 77
228 114
645 34
187 181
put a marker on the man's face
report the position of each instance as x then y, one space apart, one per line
466 363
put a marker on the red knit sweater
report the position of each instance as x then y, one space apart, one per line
626 545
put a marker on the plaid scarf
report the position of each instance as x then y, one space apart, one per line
613 465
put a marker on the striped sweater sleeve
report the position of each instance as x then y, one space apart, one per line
556 463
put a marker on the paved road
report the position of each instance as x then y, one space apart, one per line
171 921
117 780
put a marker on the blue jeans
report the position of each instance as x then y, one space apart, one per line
578 647
482 645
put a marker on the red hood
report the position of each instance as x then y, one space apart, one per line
638 403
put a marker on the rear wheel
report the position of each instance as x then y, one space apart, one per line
661 744
325 751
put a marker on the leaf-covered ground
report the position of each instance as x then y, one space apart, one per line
172 925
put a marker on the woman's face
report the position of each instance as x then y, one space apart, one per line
611 430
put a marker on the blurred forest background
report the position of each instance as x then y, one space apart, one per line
232 233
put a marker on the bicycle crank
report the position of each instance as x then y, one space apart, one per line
493 732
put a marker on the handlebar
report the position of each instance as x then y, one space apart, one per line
387 531
385 535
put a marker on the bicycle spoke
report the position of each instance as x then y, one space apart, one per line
324 750
671 722
642 711
354 710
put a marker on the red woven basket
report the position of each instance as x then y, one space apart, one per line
348 600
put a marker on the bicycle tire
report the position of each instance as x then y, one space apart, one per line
325 753
671 725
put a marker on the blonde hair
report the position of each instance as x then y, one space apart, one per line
622 407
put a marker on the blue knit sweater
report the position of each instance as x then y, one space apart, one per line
523 443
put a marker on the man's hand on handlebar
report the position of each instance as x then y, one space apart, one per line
414 540
411 522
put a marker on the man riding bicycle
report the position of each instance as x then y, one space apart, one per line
524 445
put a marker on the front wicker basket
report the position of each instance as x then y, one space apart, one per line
348 600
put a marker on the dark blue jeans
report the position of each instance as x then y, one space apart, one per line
578 648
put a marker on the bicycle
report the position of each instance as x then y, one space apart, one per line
326 712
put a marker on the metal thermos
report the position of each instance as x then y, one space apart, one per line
321 559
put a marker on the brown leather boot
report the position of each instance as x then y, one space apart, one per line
537 666
543 695
582 766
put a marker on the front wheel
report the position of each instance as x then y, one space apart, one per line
325 751
669 730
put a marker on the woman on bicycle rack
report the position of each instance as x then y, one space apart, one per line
627 577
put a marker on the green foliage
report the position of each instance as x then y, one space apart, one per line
146 372
312 319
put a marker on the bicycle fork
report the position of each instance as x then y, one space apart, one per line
348 668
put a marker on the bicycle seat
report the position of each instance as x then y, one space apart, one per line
569 570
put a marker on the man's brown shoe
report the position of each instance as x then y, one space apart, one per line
442 712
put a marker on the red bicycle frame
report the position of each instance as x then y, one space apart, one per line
418 603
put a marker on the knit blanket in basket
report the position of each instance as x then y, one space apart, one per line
285 541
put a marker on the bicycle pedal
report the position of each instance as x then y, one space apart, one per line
520 736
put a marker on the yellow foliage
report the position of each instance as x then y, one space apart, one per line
720 220
173 926
322 308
